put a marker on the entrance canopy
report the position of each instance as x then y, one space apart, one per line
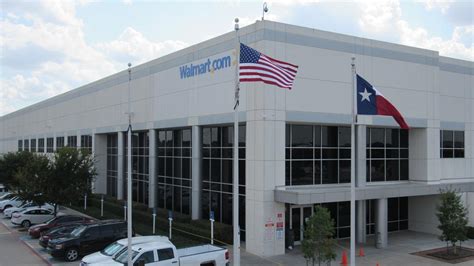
341 192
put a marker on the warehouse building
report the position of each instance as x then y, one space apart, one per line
294 145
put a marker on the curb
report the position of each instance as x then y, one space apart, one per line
27 245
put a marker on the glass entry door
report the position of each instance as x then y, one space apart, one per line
299 215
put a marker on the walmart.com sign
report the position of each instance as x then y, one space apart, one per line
189 71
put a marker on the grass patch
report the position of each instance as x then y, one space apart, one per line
186 232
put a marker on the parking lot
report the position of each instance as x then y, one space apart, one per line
18 248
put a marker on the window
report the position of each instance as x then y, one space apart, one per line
59 142
174 170
217 173
41 145
26 145
452 144
20 145
140 159
49 145
387 154
397 217
94 231
165 254
33 145
147 257
72 141
317 154
397 214
86 142
112 164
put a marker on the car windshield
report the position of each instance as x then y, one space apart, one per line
77 232
123 258
111 249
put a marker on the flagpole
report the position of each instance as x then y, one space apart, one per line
235 196
353 161
129 174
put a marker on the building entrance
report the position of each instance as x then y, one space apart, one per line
299 215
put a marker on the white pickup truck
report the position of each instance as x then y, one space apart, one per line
164 253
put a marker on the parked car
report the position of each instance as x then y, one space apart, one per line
56 232
7 196
164 253
13 202
87 239
59 220
8 212
117 248
33 215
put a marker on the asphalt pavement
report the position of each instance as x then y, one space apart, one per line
13 251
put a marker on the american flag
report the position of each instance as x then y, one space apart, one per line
255 66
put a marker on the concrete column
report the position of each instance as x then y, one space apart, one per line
381 232
361 233
45 143
65 139
361 156
152 185
78 141
120 168
196 173
100 152
93 153
55 143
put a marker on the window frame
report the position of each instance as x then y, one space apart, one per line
386 154
455 152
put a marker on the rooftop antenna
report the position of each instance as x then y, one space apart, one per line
265 10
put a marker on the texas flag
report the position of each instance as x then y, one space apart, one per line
371 102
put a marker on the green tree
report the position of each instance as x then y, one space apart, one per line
10 163
72 174
32 179
318 244
452 216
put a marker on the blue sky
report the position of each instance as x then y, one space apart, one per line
52 46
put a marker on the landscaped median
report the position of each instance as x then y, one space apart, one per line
185 232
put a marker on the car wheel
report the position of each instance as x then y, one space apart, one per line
26 223
71 254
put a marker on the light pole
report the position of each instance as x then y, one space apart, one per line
235 188
129 173
264 10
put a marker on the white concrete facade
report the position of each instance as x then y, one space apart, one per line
432 92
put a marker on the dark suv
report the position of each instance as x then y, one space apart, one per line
87 239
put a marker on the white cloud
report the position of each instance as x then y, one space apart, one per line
52 26
442 5
379 16
419 37
385 17
127 2
132 46
293 2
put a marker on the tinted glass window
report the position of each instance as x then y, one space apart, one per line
452 144
165 254
302 136
147 257
94 231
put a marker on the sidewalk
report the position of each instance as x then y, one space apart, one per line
22 235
